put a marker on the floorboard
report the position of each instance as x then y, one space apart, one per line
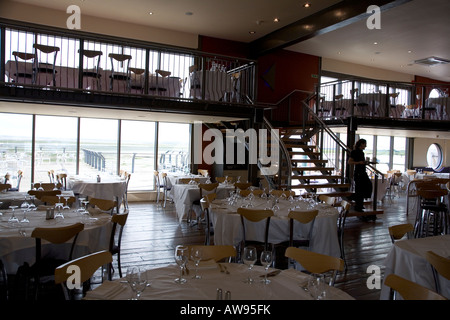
152 232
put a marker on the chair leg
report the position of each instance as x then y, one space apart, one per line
119 265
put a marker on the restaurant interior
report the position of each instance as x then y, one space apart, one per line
192 150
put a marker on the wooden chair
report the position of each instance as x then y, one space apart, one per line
257 192
217 253
222 179
120 71
26 75
87 265
303 217
91 71
5 186
327 199
204 188
39 194
118 220
245 193
398 231
279 193
409 290
55 235
43 68
103 204
61 179
166 188
252 216
19 179
47 186
345 208
158 185
127 177
315 262
242 185
55 199
440 266
203 172
205 204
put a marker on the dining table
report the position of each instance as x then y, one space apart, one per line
288 284
11 198
407 259
17 246
227 223
185 194
216 84
109 187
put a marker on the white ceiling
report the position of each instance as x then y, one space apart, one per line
420 26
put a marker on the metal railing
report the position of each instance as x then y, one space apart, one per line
71 61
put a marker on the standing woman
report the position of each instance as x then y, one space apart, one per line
363 185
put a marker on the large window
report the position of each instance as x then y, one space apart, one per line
56 147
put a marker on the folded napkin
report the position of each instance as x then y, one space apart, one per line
107 291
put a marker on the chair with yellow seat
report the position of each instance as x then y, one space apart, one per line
203 172
205 203
61 179
47 186
314 262
222 179
52 200
87 265
242 185
440 266
5 186
120 72
281 193
327 199
103 204
118 220
215 252
398 231
204 189
303 217
409 290
45 266
250 216
42 193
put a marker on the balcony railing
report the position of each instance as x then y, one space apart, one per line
376 99
94 64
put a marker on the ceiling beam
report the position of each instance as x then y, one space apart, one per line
332 18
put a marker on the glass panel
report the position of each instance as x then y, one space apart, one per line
434 156
173 147
383 153
56 146
15 148
98 147
399 160
368 152
137 154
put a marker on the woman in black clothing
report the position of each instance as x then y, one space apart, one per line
363 185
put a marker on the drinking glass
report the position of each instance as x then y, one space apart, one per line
181 258
13 218
317 286
66 206
59 206
137 279
266 261
249 258
196 256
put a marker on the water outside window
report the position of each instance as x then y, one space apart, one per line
173 147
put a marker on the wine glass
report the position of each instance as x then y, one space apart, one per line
181 258
13 218
249 258
266 261
137 279
196 256
25 209
317 286
59 206
66 206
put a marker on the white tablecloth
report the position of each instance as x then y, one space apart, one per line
407 259
284 286
185 194
110 188
15 249
228 227
217 83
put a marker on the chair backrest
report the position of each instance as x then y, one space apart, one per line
245 193
51 176
304 217
215 252
5 186
316 262
255 215
42 193
62 180
409 290
44 49
222 179
206 188
203 172
119 219
56 235
55 199
87 265
242 185
440 263
47 186
399 231
327 199
103 204
184 180
279 193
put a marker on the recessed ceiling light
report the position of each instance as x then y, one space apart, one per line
307 5
189 13
252 32
276 20
409 51
150 13
375 42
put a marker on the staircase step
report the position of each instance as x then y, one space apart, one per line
309 161
321 185
309 177
340 194
313 169
302 146
303 153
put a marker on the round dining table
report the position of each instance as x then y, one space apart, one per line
17 246
288 284
227 224
109 187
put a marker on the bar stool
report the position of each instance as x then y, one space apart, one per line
432 214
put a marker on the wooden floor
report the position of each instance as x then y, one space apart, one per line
152 232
